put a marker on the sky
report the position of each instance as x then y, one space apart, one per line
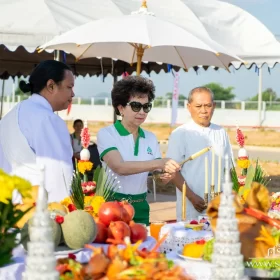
245 82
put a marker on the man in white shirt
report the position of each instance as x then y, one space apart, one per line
32 135
190 138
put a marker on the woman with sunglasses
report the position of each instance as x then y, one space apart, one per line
130 151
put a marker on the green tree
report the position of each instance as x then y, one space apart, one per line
268 95
221 93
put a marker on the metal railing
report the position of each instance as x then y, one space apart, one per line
160 102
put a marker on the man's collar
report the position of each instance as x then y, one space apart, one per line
199 127
39 99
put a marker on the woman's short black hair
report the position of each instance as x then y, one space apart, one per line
77 121
131 86
44 71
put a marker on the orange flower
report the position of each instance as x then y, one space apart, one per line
84 165
243 163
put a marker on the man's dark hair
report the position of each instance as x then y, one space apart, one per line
44 71
131 86
77 121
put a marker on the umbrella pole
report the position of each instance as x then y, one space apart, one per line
140 52
2 98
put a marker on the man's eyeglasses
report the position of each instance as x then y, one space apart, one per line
137 106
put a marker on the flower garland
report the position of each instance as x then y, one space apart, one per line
242 183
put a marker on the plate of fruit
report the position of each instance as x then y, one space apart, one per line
193 251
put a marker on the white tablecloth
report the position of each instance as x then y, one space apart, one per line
14 271
199 270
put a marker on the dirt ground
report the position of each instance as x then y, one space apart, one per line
254 137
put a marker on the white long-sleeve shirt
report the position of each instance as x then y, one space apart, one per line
36 132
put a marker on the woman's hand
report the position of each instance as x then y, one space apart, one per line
169 165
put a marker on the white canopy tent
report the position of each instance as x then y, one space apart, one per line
228 25
31 23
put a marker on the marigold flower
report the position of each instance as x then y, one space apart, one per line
10 183
95 202
243 163
84 165
66 201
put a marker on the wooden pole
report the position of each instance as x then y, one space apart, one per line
140 52
114 81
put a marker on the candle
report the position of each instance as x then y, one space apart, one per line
184 206
200 153
213 168
206 175
219 172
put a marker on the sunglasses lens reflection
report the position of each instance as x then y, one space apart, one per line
137 106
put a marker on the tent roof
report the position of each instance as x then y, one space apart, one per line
21 63
35 22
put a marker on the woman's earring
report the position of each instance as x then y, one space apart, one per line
122 115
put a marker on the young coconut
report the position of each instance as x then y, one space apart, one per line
78 228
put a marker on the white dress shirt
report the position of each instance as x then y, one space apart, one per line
32 135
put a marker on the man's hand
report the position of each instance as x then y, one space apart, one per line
198 203
165 178
77 155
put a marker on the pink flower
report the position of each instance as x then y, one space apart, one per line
240 139
85 137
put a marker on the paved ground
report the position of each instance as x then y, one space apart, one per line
163 209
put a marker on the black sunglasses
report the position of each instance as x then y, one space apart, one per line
137 106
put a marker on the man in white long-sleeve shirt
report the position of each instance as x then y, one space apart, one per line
32 135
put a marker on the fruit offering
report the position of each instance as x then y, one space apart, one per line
121 264
275 201
115 222
194 250
194 225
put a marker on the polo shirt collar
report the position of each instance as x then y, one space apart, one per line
123 131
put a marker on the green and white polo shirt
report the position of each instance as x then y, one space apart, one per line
146 147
